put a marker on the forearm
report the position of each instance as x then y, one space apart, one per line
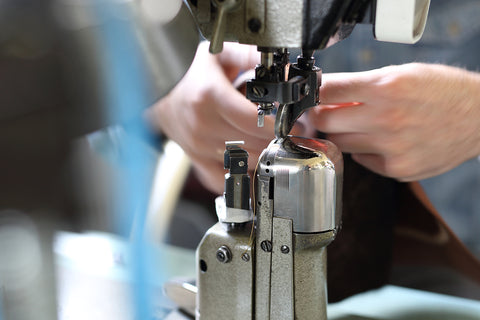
472 100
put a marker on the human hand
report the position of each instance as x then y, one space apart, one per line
408 122
204 110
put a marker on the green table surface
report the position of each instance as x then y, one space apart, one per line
93 283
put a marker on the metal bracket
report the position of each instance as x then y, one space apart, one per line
274 281
264 249
282 283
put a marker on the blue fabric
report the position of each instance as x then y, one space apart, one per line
452 36
126 93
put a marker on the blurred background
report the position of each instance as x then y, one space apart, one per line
75 153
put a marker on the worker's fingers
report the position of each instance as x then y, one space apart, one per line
338 88
398 167
420 175
374 162
207 146
242 114
211 174
354 142
340 119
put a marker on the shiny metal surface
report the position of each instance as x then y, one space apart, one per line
283 123
307 177
290 269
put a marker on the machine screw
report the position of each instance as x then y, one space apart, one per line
266 246
258 92
223 254
285 249
254 25
241 163
245 257
261 72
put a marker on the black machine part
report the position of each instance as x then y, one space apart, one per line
329 21
237 181
294 87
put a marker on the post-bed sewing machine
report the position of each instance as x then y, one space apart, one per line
266 257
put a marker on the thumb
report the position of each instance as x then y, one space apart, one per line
240 56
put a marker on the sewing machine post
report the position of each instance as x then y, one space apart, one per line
272 265
266 257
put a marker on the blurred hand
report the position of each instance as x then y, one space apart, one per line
408 122
204 110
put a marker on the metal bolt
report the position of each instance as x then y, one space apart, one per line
266 246
285 249
258 92
254 25
241 163
245 257
223 254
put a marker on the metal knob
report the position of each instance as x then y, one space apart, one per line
223 254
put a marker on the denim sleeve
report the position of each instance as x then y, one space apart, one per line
452 36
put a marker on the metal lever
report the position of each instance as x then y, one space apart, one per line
284 120
219 27
309 84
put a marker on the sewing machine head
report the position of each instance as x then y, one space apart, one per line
276 25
